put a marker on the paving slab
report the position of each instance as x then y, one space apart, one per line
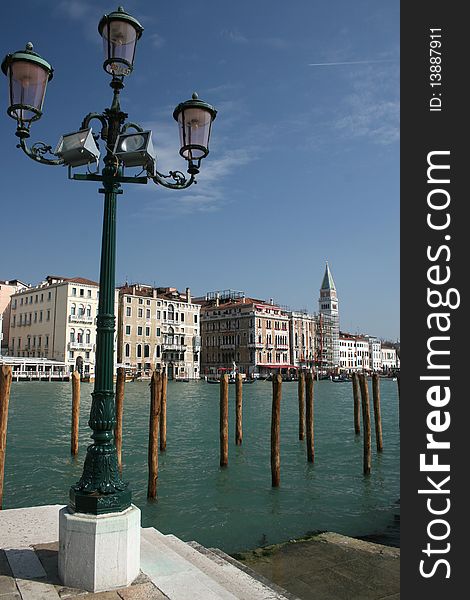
22 527
25 564
36 590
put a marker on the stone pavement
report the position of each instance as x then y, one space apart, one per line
330 566
325 567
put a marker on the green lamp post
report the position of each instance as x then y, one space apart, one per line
100 489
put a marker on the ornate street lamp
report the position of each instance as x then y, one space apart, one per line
100 489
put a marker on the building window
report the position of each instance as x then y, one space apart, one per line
127 350
49 295
147 313
128 299
71 354
46 345
81 310
182 317
128 311
147 331
88 336
171 313
146 351
72 335
139 330
141 301
128 330
82 292
139 350
88 311
72 310
48 315
158 332
74 291
87 354
40 316
158 314
140 313
89 293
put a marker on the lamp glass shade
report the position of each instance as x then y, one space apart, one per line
194 127
119 41
28 82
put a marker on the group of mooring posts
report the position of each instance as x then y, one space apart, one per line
306 416
359 382
157 421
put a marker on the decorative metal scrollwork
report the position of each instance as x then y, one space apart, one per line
180 181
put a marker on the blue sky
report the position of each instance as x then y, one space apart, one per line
303 164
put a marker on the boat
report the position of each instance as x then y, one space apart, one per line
181 379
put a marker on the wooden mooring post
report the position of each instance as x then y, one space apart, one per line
75 412
5 385
309 416
276 431
377 414
120 383
163 413
357 405
238 409
366 423
301 395
155 406
224 420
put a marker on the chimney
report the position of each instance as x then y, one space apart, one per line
188 295
133 290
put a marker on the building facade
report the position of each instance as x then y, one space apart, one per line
244 334
302 339
7 289
159 329
389 357
56 320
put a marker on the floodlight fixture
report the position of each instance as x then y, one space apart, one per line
136 150
78 148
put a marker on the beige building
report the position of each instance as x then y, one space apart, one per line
7 288
389 357
158 328
302 339
56 320
246 334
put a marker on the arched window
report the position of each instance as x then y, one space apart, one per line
171 312
88 336
146 351
170 336
72 335
139 350
158 351
72 309
88 311
127 350
80 336
81 310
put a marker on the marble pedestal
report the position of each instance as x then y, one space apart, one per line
99 552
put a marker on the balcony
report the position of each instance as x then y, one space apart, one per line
80 346
81 319
257 345
173 347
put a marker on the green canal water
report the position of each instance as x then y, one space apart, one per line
233 508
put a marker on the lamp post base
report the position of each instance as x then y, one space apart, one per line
99 552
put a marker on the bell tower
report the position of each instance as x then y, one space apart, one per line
328 306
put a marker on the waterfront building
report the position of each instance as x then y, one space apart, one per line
354 353
56 320
248 334
327 325
7 288
302 339
389 357
158 328
375 353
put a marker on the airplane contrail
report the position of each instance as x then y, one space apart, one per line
351 62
